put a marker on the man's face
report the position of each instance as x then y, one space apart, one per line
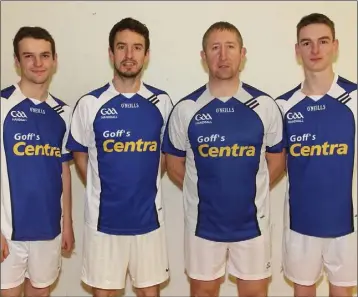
36 60
223 54
316 48
129 55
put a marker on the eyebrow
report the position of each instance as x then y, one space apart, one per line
124 43
29 53
226 42
321 38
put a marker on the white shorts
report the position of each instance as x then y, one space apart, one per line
39 261
106 259
248 260
305 257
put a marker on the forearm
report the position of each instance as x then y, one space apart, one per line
176 170
81 162
66 193
163 166
276 167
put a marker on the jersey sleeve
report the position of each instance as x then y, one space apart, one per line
275 132
66 155
175 134
78 134
168 106
281 105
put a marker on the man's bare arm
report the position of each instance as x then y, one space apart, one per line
163 165
276 163
81 161
176 169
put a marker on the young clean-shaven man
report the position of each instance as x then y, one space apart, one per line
36 219
224 149
320 136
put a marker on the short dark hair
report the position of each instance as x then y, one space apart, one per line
132 25
316 18
33 32
221 26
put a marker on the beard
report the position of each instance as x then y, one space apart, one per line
128 74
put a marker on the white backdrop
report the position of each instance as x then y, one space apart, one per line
81 33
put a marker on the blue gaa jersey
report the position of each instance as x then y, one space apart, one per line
321 150
224 140
122 134
33 138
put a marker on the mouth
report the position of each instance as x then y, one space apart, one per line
128 64
38 72
223 66
315 59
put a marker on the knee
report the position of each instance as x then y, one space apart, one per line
204 288
152 291
103 293
39 292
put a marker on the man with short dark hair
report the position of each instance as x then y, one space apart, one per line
116 135
35 171
320 117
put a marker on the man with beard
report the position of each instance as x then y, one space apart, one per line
35 173
115 136
224 149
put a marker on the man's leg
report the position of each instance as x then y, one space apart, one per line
105 261
205 263
302 261
44 264
31 291
13 269
148 264
250 263
340 261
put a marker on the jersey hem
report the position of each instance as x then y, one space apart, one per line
211 237
328 235
127 231
35 238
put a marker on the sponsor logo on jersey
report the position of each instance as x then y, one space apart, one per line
108 113
37 110
325 149
111 145
235 150
23 148
203 118
294 117
316 107
18 116
129 105
213 146
225 110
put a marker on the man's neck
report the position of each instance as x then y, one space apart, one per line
126 85
223 88
318 83
34 91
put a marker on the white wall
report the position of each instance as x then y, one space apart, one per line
81 32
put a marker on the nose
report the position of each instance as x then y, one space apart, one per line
223 53
129 52
37 61
315 48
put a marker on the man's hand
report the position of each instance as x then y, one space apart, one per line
68 237
4 248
